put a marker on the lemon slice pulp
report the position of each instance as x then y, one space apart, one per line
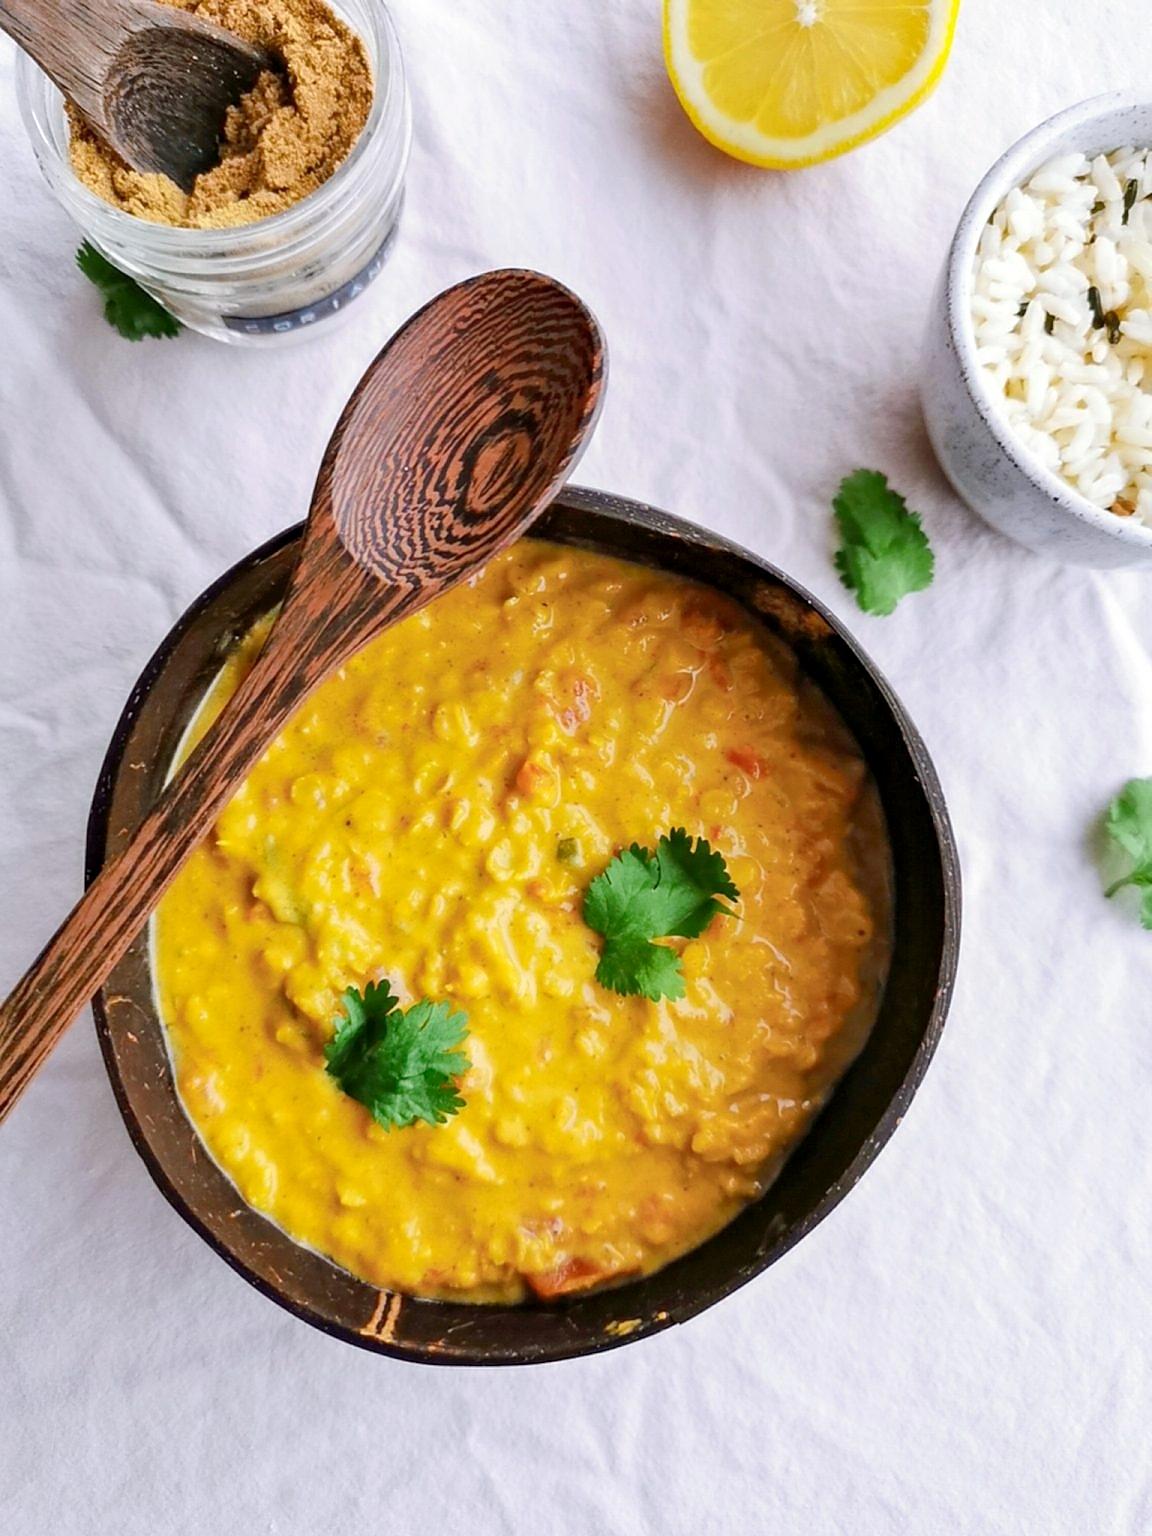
791 82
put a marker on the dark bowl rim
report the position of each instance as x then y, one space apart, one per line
627 511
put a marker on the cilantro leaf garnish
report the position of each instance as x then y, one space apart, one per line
134 313
885 553
643 896
401 1063
1129 823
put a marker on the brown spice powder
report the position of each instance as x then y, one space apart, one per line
283 139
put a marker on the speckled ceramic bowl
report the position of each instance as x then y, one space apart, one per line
984 459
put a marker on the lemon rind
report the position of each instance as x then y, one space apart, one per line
746 142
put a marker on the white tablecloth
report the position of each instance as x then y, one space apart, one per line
963 1346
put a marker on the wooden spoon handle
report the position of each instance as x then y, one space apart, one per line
116 906
73 41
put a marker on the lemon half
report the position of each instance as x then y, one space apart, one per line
787 83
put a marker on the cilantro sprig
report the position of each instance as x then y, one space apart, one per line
1129 824
401 1063
134 313
643 896
885 553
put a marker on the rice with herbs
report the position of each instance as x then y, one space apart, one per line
1062 313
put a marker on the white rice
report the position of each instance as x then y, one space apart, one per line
1068 250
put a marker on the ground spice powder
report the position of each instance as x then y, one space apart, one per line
282 141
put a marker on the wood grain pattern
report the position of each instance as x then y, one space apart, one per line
154 81
457 437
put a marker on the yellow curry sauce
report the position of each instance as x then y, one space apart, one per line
408 824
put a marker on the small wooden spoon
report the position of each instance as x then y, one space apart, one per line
154 81
459 434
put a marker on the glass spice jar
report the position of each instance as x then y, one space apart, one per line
282 278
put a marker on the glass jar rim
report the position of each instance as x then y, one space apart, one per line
223 240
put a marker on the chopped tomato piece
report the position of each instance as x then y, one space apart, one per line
677 687
720 675
748 762
572 1274
703 626
535 777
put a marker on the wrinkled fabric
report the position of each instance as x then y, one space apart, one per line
961 1346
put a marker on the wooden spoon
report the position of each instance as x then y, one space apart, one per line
154 81
459 434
